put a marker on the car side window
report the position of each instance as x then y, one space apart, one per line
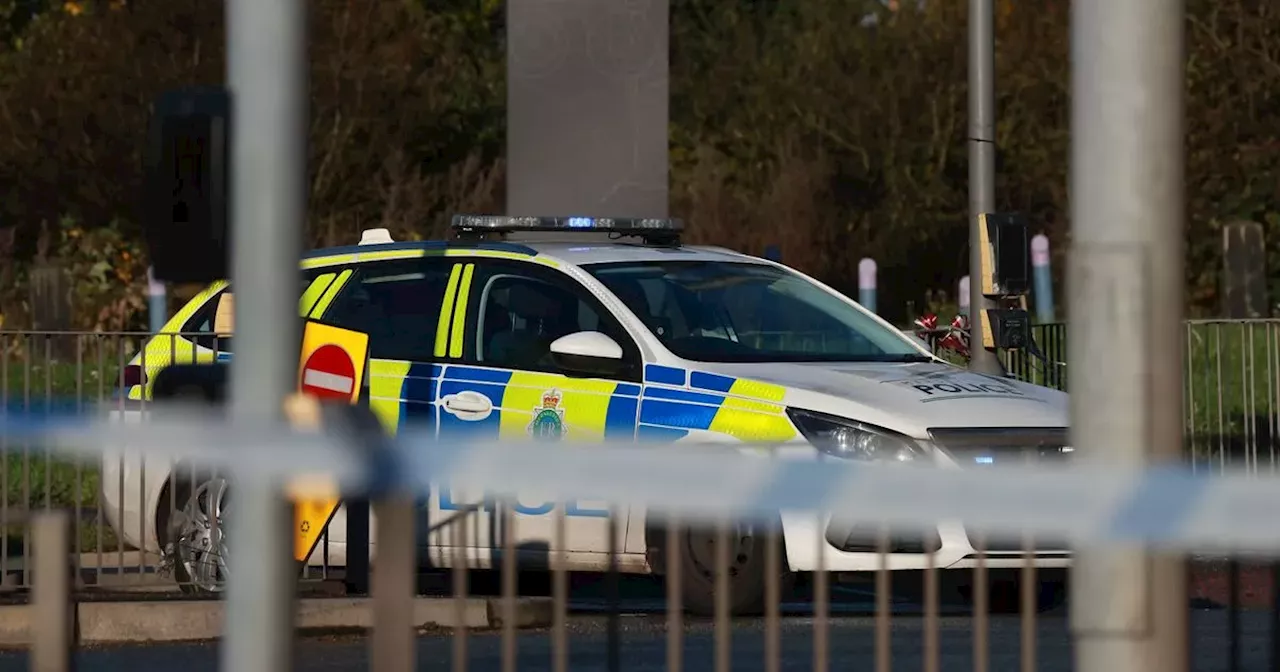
518 310
397 303
211 325
207 328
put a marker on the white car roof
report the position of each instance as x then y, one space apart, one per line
576 251
583 254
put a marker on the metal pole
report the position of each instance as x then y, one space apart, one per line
1129 608
52 635
392 642
266 73
982 167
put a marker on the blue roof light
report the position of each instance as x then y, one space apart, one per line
648 227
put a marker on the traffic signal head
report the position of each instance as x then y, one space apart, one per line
1006 258
186 199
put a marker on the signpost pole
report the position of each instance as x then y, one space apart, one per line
266 73
982 169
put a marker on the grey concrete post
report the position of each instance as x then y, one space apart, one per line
1129 607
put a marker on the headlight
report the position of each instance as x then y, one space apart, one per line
851 439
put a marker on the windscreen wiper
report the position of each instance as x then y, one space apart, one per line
906 359
909 358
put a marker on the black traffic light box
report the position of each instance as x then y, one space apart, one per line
1010 328
187 195
1006 254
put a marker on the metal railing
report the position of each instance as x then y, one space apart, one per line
980 616
119 522
1231 391
1232 398
76 372
977 618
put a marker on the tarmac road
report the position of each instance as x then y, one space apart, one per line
643 640
643 647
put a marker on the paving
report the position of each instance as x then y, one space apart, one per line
158 625
643 639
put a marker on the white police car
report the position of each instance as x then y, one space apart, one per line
581 329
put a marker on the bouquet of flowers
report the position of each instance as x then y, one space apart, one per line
954 337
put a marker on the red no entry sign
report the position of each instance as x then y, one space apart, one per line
329 373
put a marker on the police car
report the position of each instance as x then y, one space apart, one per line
612 329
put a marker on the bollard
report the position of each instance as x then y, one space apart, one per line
867 283
52 624
1244 271
963 295
157 304
1042 278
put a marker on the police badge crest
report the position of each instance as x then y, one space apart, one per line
548 419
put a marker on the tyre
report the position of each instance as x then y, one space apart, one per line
193 534
748 576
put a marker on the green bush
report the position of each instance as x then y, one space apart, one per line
790 125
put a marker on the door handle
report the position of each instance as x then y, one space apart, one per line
468 403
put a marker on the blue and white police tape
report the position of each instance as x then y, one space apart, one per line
1085 504
194 435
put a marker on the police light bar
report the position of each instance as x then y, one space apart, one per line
644 227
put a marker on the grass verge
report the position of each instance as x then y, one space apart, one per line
33 481
1231 376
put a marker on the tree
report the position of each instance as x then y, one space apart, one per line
791 123
15 16
400 97
875 119
405 113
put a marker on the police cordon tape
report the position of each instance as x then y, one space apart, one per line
1084 504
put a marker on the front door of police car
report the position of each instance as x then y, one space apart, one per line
501 381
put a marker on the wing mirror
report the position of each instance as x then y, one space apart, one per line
587 352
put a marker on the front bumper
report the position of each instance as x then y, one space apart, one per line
810 547
844 546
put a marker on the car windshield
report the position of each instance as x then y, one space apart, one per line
744 312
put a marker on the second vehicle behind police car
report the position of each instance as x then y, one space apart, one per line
612 329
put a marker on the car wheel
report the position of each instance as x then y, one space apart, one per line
748 546
195 535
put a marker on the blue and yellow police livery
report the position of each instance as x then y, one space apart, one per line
561 329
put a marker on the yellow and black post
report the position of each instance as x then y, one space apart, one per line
1004 281
332 365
